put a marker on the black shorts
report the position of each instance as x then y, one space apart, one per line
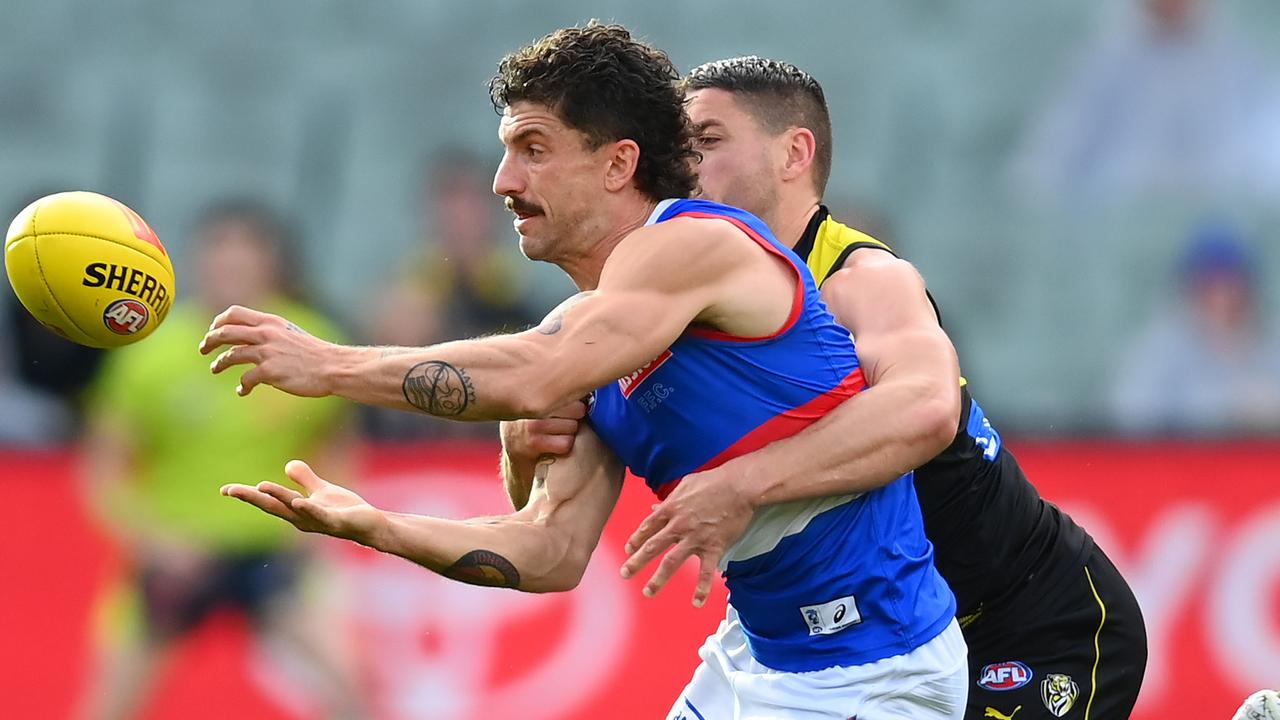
1068 644
245 583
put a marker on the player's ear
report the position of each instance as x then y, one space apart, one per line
801 148
624 157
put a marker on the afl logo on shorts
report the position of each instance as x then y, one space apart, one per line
1004 676
126 317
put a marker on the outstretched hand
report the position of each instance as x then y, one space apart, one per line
283 354
325 508
703 517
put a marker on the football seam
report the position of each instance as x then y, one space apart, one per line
35 235
35 250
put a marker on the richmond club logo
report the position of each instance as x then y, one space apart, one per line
1004 676
126 317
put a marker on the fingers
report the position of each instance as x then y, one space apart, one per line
230 335
239 315
238 355
250 380
650 525
318 514
708 564
554 426
575 410
261 500
671 562
648 551
301 473
279 492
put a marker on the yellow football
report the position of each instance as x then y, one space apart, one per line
89 268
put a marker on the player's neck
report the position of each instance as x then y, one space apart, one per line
790 219
585 269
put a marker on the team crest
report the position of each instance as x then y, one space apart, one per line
1059 693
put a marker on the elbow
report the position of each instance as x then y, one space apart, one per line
563 578
561 569
938 421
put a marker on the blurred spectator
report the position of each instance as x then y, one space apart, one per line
1171 98
1209 363
41 375
164 435
467 280
28 416
406 314
470 262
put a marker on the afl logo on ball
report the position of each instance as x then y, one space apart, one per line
126 317
1004 676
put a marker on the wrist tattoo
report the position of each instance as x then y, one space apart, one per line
484 567
438 388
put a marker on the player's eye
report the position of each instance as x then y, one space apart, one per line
536 151
707 141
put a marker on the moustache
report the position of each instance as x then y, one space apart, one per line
516 205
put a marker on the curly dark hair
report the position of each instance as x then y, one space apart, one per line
608 86
778 95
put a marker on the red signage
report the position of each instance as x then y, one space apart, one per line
1195 528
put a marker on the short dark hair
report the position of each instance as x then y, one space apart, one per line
778 95
610 87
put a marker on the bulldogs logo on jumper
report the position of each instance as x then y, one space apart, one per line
629 383
1059 693
1004 676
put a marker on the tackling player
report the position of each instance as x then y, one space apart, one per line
700 338
1050 623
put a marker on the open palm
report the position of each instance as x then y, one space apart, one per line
325 508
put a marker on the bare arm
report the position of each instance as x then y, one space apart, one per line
544 547
908 415
656 282
527 442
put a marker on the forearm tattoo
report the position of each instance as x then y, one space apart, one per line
484 567
438 388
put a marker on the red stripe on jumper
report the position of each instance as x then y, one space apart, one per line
796 304
780 426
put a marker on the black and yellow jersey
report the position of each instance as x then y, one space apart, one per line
990 528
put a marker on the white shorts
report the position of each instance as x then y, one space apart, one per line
928 683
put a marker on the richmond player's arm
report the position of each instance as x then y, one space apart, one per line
543 547
909 413
655 283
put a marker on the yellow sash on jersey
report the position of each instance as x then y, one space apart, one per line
832 244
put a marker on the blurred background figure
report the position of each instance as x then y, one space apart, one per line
466 278
1209 362
42 376
1169 97
469 259
164 434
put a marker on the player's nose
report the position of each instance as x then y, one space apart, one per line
507 181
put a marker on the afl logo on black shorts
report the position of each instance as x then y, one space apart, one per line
126 316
